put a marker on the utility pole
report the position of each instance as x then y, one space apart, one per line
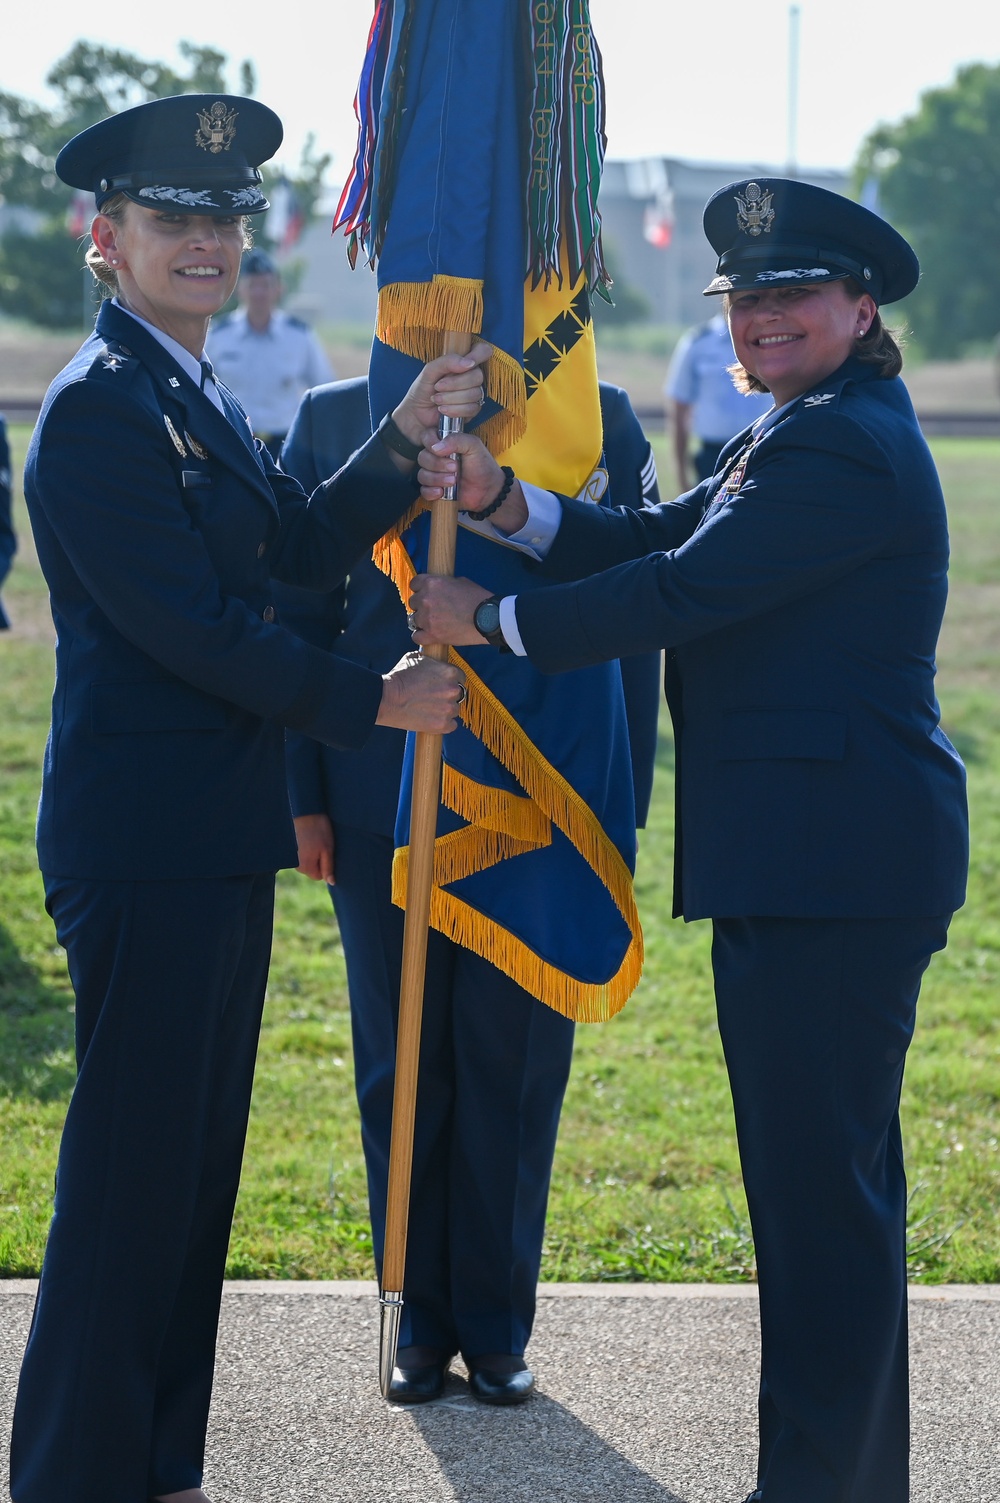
794 14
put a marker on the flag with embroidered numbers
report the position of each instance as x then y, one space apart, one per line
474 195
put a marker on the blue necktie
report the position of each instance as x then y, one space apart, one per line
207 373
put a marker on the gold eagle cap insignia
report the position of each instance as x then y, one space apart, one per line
754 214
216 128
175 437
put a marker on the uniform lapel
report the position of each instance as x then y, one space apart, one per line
227 438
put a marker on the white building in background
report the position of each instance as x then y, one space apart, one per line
651 210
329 292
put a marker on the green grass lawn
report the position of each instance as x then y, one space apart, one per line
646 1182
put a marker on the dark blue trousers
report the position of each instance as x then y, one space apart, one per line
494 1063
816 1016
169 977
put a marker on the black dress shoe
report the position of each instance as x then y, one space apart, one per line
492 1386
418 1376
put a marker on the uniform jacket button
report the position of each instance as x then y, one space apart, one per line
269 613
261 549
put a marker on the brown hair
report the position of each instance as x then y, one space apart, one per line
114 210
879 347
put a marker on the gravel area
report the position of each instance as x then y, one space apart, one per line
645 1394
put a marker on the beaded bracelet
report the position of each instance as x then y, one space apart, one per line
497 502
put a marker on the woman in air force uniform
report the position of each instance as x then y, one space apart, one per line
822 821
164 815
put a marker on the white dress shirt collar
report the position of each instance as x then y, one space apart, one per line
188 363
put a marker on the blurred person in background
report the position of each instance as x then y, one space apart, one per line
160 524
702 401
266 357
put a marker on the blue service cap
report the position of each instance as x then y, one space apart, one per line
195 153
779 232
257 263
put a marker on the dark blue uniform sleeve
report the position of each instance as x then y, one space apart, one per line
152 574
633 483
314 615
298 452
816 503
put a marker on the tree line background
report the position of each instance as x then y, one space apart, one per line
935 174
40 261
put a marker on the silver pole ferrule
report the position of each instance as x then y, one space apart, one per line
446 427
391 1308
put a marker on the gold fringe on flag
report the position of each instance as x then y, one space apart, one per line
391 557
505 385
460 854
494 808
413 316
492 724
583 1001
500 825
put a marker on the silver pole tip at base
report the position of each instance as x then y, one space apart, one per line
446 426
391 1308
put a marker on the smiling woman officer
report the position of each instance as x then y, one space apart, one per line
822 822
164 813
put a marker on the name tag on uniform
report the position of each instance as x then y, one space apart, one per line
192 478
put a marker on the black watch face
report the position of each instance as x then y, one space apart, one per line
487 618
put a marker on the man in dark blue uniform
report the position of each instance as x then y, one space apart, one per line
822 820
345 806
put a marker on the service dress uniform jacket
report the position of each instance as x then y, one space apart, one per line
799 593
485 1137
159 527
822 825
159 524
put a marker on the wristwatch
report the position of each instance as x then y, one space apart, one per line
486 620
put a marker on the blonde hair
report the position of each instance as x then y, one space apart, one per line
114 210
880 346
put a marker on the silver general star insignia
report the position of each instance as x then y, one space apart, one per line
216 128
753 210
113 362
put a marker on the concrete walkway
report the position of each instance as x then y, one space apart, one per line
659 1409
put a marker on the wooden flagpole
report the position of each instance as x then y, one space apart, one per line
423 830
